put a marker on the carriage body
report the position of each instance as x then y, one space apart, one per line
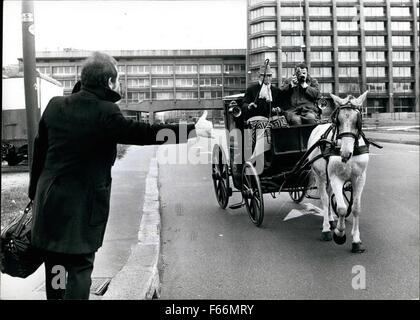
288 145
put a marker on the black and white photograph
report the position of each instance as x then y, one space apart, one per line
215 152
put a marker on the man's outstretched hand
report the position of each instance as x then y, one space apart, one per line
203 127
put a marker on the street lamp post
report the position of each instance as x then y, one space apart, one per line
29 74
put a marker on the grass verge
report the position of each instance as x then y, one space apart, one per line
13 202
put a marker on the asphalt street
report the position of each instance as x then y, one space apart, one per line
210 253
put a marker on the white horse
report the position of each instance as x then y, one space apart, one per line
332 173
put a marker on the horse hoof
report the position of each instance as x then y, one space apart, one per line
357 248
339 240
333 225
326 236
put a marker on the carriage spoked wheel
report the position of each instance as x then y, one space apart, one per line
220 176
252 194
348 198
299 192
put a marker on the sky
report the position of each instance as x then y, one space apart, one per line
125 25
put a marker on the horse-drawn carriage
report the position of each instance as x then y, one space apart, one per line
336 153
288 145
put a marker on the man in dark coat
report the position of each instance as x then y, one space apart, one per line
70 182
261 96
302 93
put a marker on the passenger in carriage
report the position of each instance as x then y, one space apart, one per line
302 93
261 96
258 100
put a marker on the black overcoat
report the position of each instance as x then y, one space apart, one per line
263 107
70 179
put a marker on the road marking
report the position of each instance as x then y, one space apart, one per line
309 209
413 151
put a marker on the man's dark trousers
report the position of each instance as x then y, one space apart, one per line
78 269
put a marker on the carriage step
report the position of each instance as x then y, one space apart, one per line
237 205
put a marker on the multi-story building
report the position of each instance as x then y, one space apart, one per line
349 45
161 80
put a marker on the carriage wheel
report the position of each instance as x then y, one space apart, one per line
220 176
297 195
252 194
348 198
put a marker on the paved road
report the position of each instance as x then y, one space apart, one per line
210 253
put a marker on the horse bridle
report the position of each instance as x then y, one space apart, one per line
335 121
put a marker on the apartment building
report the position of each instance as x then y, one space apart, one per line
349 45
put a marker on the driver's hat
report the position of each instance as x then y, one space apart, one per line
262 69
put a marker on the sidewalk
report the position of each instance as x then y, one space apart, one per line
128 186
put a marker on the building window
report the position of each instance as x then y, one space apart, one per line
320 11
262 12
321 41
347 26
320 25
295 56
401 56
44 70
346 11
121 69
263 26
375 56
68 70
291 11
350 72
162 83
290 41
138 83
374 12
186 95
162 69
291 25
321 72
235 81
137 96
375 72
348 56
186 82
210 82
349 88
68 84
321 56
400 26
378 87
325 87
186 69
210 94
400 12
210 68
348 41
401 71
374 26
259 58
234 68
375 41
169 95
287 72
260 42
403 87
400 41
138 69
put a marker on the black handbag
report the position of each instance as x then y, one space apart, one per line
18 257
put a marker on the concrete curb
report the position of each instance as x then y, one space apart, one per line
139 278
